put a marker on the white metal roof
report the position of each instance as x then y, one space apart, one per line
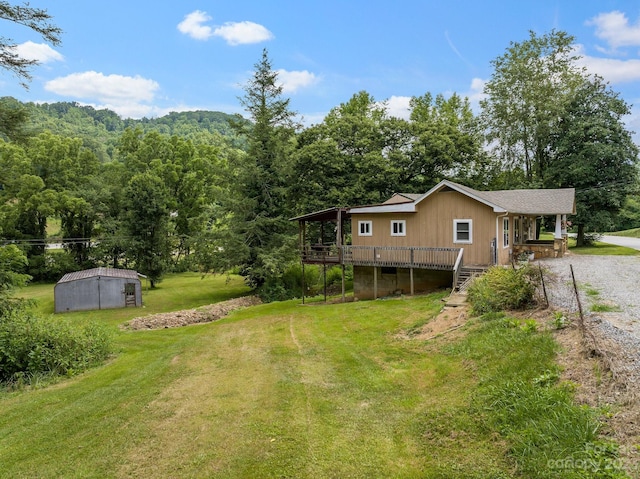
108 272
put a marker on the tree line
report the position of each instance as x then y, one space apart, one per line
211 192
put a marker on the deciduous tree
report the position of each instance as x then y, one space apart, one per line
592 151
147 218
526 97
35 19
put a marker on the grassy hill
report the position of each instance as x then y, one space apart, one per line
633 233
291 390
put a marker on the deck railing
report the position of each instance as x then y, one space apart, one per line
404 257
456 267
321 254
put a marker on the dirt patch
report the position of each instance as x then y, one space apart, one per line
186 317
451 318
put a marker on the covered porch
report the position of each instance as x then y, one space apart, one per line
528 245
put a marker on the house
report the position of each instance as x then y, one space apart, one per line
414 243
98 288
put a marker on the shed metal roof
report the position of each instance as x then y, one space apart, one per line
108 272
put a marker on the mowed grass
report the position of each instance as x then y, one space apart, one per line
175 292
278 390
600 248
632 233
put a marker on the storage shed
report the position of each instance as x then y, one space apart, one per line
98 288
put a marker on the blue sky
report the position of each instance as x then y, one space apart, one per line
147 58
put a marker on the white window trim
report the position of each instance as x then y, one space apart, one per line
370 228
506 240
455 231
403 228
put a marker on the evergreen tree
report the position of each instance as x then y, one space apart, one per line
258 234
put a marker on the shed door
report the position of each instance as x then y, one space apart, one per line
130 294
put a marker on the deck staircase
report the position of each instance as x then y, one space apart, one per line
466 275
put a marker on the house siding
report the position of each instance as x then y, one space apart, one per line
432 226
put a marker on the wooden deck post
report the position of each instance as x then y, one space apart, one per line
411 279
375 282
324 278
303 285
411 272
302 233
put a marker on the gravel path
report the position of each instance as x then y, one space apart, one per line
613 281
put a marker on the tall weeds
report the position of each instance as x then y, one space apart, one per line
31 346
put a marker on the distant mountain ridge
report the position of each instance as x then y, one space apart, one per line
100 128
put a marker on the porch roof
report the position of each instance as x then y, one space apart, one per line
330 214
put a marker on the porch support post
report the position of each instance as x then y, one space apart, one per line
375 282
564 225
324 279
302 233
411 279
344 298
558 234
303 284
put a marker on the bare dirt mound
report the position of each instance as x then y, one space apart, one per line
186 317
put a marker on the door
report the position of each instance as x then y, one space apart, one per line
130 294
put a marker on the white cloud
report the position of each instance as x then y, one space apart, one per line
192 25
614 28
292 81
40 52
611 69
398 107
234 33
476 92
116 90
240 33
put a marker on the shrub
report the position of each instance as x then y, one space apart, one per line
289 285
590 239
31 346
503 289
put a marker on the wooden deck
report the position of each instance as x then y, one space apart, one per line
401 257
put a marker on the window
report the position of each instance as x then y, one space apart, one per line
463 231
398 228
505 232
364 228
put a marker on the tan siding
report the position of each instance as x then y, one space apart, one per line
432 226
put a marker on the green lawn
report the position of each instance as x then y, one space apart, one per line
600 248
289 390
633 233
175 292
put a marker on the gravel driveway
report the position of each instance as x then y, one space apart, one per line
611 281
